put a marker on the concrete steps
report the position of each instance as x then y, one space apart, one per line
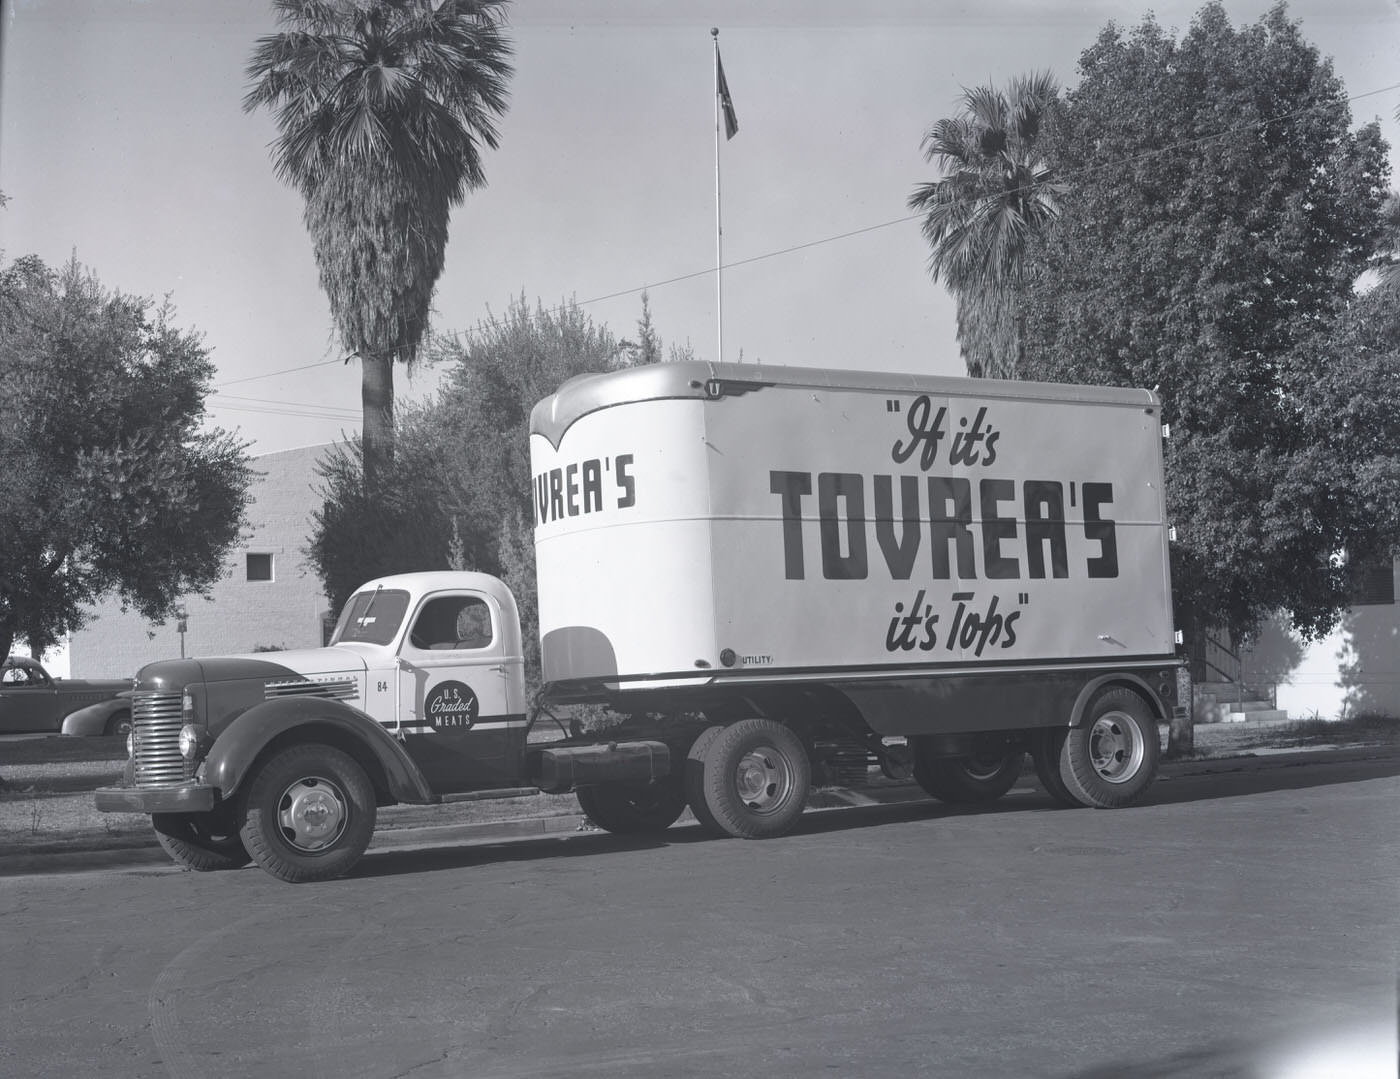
1224 702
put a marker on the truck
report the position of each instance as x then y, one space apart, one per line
746 576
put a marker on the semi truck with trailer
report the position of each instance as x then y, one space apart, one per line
750 573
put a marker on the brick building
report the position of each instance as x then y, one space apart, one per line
269 595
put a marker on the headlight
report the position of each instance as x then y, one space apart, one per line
131 744
189 742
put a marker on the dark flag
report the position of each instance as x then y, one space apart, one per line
731 120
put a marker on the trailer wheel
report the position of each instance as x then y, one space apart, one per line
976 778
755 779
1112 759
1045 751
627 809
204 842
308 814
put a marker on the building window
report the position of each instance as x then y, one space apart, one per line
259 567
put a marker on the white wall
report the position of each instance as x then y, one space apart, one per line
240 614
1356 668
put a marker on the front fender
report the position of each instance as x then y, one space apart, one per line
309 719
91 722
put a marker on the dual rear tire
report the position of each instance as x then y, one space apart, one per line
971 780
630 809
748 780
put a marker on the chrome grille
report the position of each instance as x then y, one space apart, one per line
156 721
338 689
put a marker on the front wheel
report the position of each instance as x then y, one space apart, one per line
119 726
203 842
308 814
754 780
627 809
1111 759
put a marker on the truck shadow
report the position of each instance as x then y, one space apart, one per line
1220 780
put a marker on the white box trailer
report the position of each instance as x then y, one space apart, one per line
951 555
764 573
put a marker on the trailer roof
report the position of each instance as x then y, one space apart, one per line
697 379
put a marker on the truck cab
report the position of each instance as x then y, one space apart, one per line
443 672
419 694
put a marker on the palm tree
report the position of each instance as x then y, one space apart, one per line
382 109
996 192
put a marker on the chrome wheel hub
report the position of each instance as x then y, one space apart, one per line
1115 747
763 779
312 814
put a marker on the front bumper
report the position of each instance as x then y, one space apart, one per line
188 798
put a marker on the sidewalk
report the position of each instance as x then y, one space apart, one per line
130 851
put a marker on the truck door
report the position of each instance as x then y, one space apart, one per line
458 723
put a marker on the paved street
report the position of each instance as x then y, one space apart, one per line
1235 925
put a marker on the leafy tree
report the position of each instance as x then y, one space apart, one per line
996 191
1387 260
110 484
356 537
1220 212
1353 416
647 347
382 108
460 490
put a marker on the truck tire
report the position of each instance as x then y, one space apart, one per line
629 809
1045 751
755 779
119 726
693 782
203 842
1111 759
969 780
308 814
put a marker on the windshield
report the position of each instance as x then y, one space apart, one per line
372 617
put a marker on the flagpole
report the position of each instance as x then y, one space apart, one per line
719 228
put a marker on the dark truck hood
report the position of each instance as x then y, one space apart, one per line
316 664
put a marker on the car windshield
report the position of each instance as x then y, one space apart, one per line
372 617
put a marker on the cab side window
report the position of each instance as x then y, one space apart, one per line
453 622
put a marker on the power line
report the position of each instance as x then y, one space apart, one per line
679 278
331 411
284 408
285 371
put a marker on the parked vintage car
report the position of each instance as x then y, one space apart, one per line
32 700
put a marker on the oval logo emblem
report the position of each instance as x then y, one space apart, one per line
451 706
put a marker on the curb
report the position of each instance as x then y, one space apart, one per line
129 853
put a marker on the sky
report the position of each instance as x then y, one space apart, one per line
123 143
